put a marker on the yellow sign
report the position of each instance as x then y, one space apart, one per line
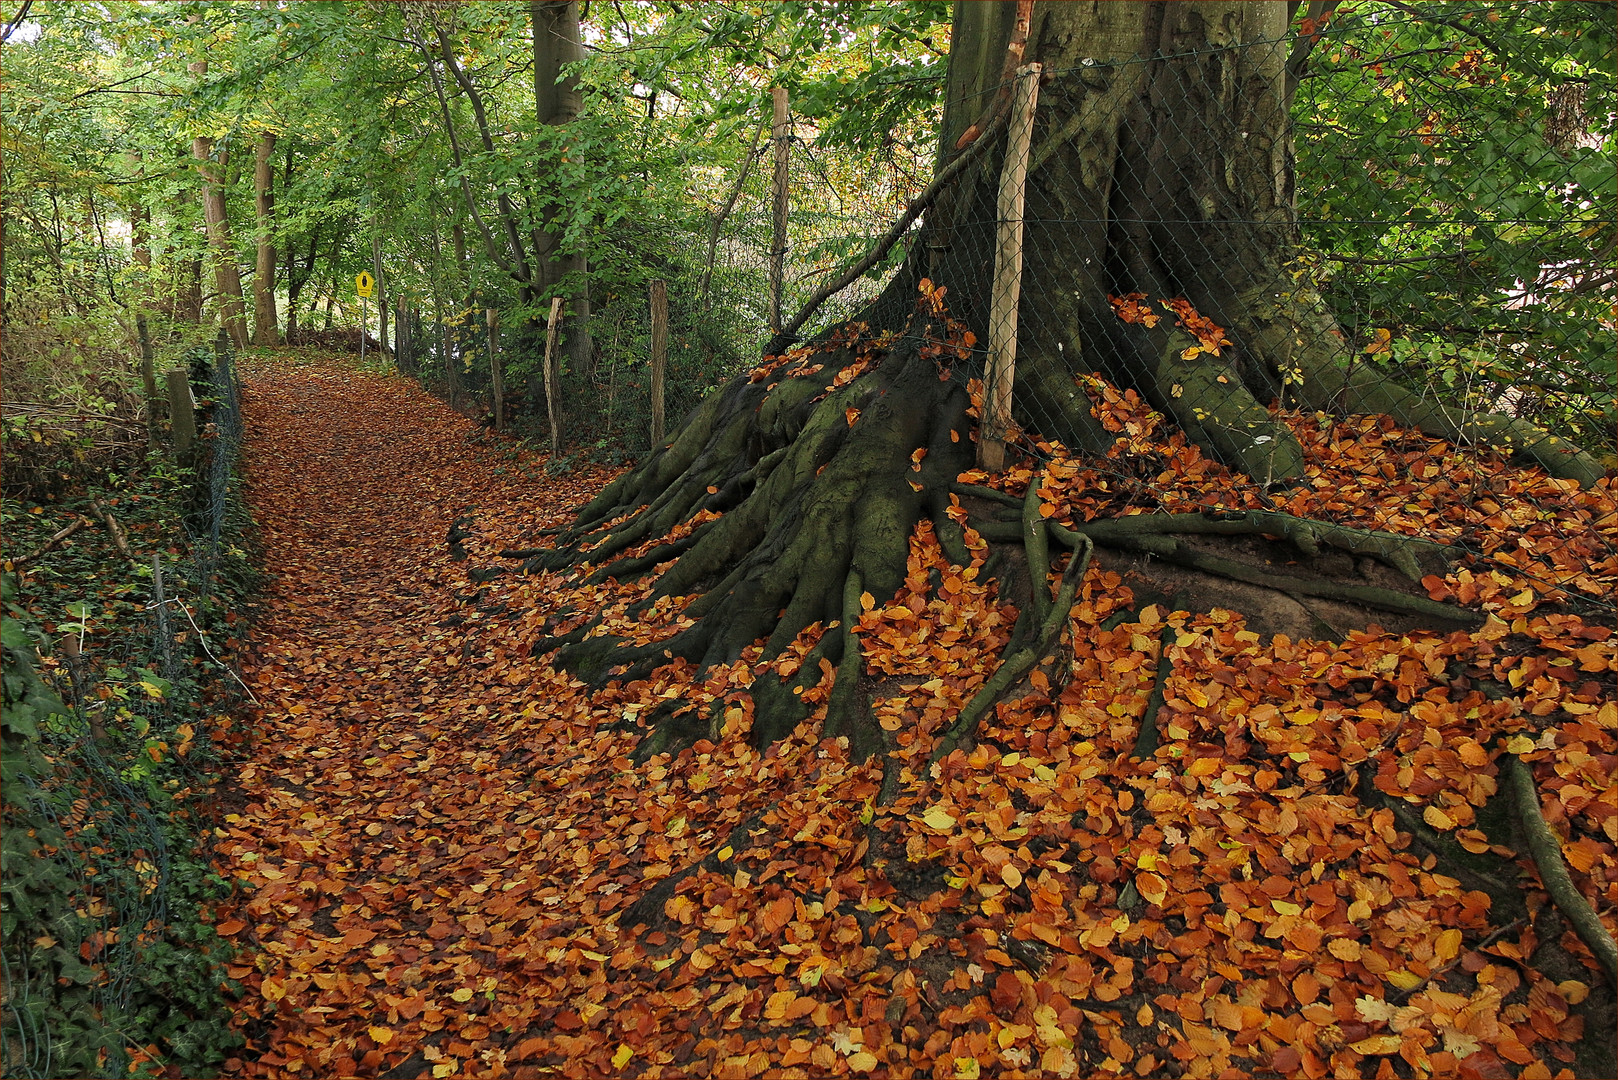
364 284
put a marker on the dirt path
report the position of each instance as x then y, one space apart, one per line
437 836
376 846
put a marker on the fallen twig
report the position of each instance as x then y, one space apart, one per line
56 540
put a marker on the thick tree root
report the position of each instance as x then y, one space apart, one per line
1290 328
1022 661
1036 545
649 905
1147 742
1546 851
1307 535
1171 550
977 491
847 714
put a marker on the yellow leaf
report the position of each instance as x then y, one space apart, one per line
780 1001
1523 599
1285 907
621 1056
966 1068
1519 744
867 601
865 1061
1345 948
1376 1044
939 819
724 853
1011 876
1405 980
1573 991
462 995
1437 818
443 1069
380 1035
1448 945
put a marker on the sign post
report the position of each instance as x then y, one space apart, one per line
365 286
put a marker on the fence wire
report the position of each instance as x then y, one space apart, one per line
1447 264
1421 215
118 860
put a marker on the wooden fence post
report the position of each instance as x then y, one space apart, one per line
553 376
1007 289
782 133
660 347
182 415
497 388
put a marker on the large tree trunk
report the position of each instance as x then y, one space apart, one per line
265 331
1170 177
555 29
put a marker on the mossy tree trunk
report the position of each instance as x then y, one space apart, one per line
1161 151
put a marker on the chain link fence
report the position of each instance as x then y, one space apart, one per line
103 960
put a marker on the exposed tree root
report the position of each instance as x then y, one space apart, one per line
1019 663
1167 548
1150 736
1307 535
1288 326
1546 851
649 905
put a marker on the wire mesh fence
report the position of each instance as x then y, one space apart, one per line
96 859
1393 249
1192 332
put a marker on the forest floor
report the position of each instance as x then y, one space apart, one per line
439 840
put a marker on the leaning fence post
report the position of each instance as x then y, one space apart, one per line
1007 288
660 348
182 417
496 385
778 245
160 614
553 375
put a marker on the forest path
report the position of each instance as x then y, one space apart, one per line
437 836
378 842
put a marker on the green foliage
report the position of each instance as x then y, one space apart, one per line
1457 162
111 962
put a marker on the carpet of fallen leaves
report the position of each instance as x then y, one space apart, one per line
437 835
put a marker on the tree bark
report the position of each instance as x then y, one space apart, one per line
660 339
233 308
266 332
557 101
381 295
1161 148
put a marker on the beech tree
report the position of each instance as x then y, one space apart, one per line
1162 147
